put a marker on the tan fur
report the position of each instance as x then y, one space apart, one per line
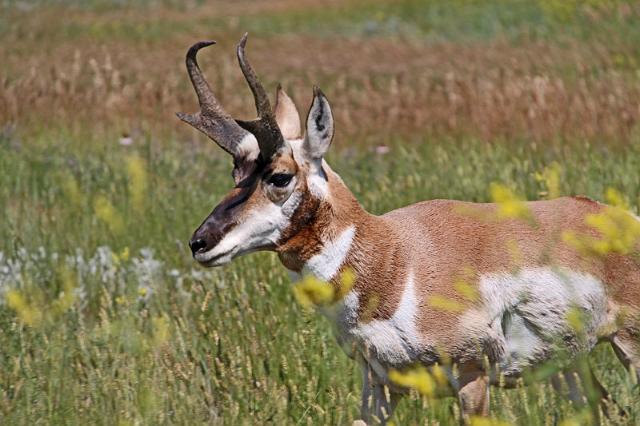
474 397
287 116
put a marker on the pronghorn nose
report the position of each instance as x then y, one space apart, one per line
197 245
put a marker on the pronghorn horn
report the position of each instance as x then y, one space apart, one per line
212 120
265 128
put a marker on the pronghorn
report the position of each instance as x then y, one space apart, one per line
287 199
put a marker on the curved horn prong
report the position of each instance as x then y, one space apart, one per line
212 120
263 106
265 128
202 88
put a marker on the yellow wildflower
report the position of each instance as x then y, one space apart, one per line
138 182
445 304
439 375
509 206
67 296
619 230
417 378
347 280
486 421
550 177
161 330
311 291
616 199
575 319
28 314
466 290
124 254
107 213
443 354
582 418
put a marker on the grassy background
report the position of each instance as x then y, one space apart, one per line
104 316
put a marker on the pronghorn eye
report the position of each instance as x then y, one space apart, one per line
280 179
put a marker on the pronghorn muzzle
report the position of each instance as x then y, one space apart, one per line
222 219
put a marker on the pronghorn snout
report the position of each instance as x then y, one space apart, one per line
221 220
207 236
202 242
197 245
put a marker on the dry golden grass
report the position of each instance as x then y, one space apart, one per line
87 69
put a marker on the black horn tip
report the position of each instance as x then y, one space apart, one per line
191 53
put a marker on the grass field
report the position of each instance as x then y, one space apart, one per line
104 316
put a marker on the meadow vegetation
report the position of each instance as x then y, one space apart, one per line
104 316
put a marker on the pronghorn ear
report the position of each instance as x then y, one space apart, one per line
287 116
319 127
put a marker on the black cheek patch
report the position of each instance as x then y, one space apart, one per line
244 196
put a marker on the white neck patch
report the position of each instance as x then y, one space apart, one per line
390 342
326 264
395 340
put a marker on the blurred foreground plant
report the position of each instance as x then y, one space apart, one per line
33 306
550 177
311 291
138 183
107 213
509 205
617 228
417 378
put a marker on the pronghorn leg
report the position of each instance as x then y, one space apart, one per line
474 397
606 401
598 396
572 379
591 391
627 348
378 402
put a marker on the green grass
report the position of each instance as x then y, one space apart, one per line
226 345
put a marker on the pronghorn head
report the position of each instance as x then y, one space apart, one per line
279 176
